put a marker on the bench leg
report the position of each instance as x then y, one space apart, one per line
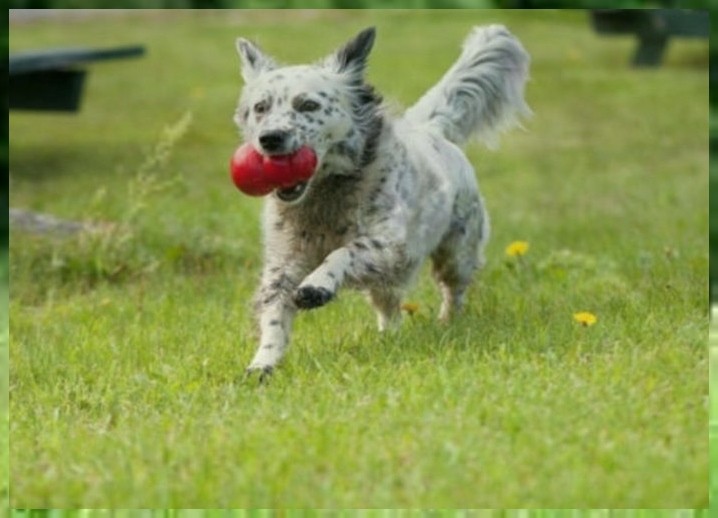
650 50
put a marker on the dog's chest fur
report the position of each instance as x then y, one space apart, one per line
339 209
313 229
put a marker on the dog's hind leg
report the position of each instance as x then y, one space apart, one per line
458 257
387 303
453 288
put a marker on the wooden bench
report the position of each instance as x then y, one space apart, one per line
53 79
653 27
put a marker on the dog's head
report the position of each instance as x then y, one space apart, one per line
326 106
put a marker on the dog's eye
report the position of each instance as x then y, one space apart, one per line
308 105
261 107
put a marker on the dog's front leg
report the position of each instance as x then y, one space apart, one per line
364 260
275 314
322 284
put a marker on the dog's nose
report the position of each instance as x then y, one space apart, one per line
273 140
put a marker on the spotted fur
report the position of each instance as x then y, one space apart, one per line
388 192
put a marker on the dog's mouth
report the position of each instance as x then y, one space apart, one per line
293 193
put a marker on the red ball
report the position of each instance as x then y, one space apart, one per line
248 172
257 175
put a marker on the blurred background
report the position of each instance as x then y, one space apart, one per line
24 11
342 4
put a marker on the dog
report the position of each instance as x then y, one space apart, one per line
388 191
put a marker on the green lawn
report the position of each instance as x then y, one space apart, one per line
128 345
713 433
4 414
352 513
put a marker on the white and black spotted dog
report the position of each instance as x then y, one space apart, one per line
388 192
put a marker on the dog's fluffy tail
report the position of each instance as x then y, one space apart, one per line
482 93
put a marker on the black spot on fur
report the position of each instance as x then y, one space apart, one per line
270 298
372 133
371 268
283 284
368 121
346 150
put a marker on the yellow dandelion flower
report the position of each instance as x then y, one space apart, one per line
585 318
517 248
410 307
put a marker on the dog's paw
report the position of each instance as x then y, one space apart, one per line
308 297
263 373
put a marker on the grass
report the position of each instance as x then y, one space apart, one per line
128 345
362 513
4 414
713 430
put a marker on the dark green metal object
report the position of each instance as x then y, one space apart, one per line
47 90
653 27
53 80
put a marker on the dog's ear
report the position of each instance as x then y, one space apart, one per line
254 61
352 57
